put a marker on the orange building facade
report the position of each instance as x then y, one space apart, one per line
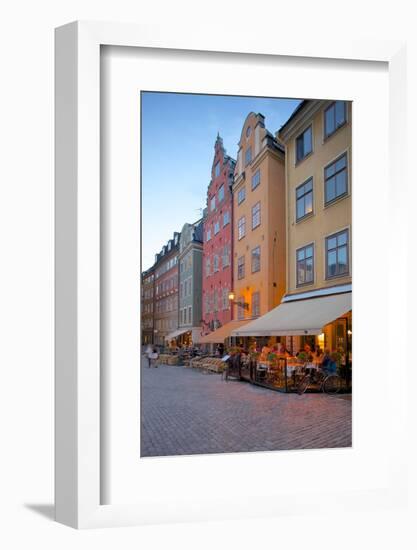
259 230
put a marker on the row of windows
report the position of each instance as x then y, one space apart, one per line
165 324
186 288
166 267
186 315
167 285
147 293
337 258
220 198
255 306
147 308
147 323
335 116
216 225
166 304
256 180
217 300
225 260
335 187
186 263
255 263
256 221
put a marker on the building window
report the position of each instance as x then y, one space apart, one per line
208 267
241 267
241 195
305 265
226 256
215 305
225 298
181 290
241 309
334 117
304 199
208 237
213 203
256 304
256 215
207 303
226 218
304 144
221 193
256 179
217 170
216 227
241 228
337 254
335 179
248 131
248 156
256 259
189 314
216 263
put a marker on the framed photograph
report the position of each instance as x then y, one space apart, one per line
225 327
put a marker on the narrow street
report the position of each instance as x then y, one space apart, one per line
187 412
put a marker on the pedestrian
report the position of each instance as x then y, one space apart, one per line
220 350
148 352
154 358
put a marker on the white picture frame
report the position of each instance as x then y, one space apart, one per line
78 405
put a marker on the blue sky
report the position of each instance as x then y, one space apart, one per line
178 135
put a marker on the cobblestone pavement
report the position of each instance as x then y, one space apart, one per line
187 412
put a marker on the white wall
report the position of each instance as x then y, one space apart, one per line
26 274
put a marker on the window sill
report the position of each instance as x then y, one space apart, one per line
298 162
341 276
327 138
336 200
303 285
304 218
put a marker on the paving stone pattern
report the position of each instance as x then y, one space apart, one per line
187 412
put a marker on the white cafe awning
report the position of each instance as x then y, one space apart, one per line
298 317
176 333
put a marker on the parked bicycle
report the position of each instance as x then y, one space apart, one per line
328 383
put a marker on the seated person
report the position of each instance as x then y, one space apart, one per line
327 364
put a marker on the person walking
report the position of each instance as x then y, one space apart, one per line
148 352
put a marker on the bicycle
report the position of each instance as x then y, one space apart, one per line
328 383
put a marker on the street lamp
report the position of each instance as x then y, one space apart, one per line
245 305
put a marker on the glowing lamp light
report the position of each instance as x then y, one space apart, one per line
231 296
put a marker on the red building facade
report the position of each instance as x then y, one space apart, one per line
218 242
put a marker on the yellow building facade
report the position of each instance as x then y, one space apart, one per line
259 237
318 147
